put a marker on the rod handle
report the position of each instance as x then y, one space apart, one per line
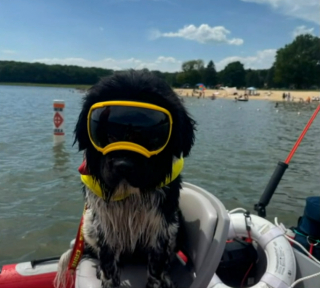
270 189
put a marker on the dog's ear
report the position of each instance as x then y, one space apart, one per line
80 132
184 134
187 134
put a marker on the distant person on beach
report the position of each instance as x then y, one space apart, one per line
284 96
287 97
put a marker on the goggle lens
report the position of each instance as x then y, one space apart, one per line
146 127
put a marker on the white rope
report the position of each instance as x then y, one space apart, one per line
282 227
304 249
304 278
236 210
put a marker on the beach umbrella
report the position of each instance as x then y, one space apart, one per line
201 86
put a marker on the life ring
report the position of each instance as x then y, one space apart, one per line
281 263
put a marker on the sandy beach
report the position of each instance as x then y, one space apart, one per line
272 95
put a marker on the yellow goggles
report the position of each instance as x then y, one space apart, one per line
127 125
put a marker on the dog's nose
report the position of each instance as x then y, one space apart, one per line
123 167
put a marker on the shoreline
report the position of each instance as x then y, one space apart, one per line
271 95
71 86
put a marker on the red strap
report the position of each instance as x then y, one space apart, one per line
182 257
78 248
311 249
249 239
247 220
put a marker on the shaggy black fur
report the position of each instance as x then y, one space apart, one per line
142 173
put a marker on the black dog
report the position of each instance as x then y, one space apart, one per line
147 218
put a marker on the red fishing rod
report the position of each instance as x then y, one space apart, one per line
260 207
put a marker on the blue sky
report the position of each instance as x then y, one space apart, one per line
154 34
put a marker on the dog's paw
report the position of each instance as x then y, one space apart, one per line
107 283
165 282
160 285
98 272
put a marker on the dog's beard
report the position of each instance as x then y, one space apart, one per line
124 189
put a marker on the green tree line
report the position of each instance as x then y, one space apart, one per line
297 65
22 72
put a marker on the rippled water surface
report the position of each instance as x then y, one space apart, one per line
237 148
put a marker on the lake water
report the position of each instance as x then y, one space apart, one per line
237 149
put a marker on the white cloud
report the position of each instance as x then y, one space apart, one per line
262 60
302 30
119 1
307 10
202 34
7 51
274 3
162 63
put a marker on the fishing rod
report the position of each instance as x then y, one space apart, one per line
260 207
